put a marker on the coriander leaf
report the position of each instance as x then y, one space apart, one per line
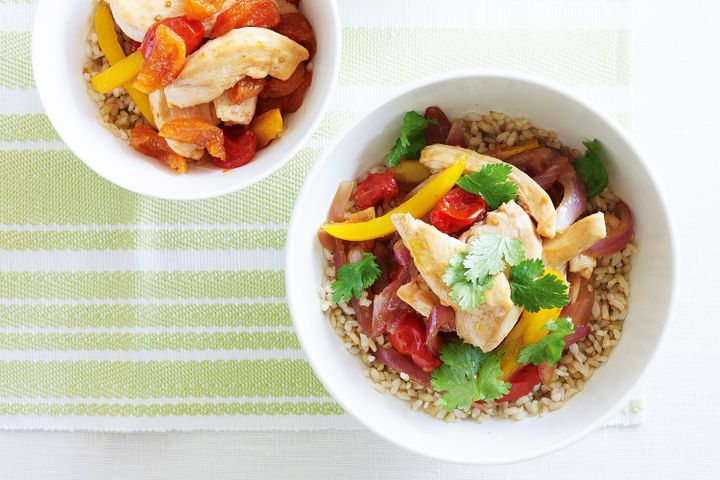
470 295
489 254
534 289
412 138
460 390
354 278
459 355
492 183
455 271
591 168
548 349
491 385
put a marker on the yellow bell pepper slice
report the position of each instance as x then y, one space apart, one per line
110 46
507 152
418 206
119 74
527 331
267 127
411 171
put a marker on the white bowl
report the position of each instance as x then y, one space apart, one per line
60 31
365 144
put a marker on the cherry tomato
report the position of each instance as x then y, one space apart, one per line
456 210
240 147
191 31
409 339
521 383
376 188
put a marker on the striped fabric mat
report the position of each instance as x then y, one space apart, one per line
121 312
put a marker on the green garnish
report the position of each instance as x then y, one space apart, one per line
467 375
550 348
469 275
533 288
412 139
492 183
591 169
354 278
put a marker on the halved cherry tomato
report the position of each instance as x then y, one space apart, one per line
409 339
191 31
521 383
456 210
240 148
376 188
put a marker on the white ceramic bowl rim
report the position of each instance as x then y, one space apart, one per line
58 77
304 335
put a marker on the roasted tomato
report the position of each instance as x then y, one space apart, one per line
191 31
409 339
248 13
293 102
374 189
296 27
197 132
146 140
240 148
282 88
164 61
436 132
457 210
521 383
246 89
201 9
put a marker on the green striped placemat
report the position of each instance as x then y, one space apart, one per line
121 312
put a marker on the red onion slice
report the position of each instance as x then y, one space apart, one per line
338 208
456 136
436 133
550 175
582 297
441 319
574 199
386 304
533 162
394 359
362 313
618 237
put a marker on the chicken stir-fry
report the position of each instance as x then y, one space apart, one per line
214 78
482 247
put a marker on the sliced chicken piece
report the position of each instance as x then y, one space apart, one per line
432 251
582 264
530 194
163 113
419 296
220 63
235 113
487 326
135 17
579 236
511 221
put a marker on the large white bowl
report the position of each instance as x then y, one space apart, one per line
365 144
60 31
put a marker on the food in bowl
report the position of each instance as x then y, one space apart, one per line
199 81
483 270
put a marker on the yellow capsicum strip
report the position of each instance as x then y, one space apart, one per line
527 331
418 206
122 69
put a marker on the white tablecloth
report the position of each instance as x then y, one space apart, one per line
676 77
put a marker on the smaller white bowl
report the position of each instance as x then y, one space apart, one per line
364 145
59 35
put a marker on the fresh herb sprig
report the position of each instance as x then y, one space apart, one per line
492 182
549 349
412 139
534 288
591 169
354 278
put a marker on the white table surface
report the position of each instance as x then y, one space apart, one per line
676 76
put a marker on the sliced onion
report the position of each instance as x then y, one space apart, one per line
551 174
386 306
402 254
441 319
338 207
533 162
394 359
582 297
618 237
574 199
456 136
